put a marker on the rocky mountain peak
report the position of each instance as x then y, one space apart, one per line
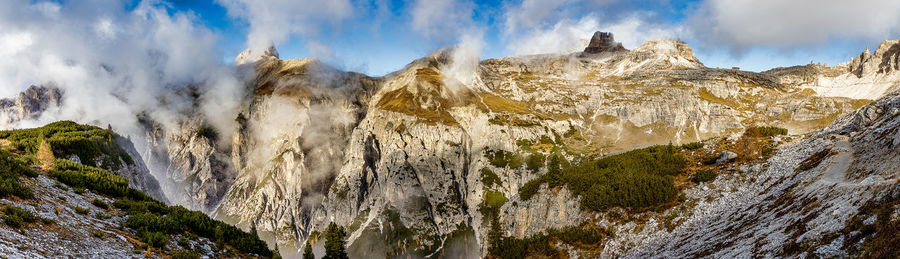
29 104
249 56
603 41
671 48
883 61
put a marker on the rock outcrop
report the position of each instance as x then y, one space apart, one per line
248 56
603 41
866 76
29 104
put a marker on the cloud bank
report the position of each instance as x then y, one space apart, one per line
745 24
112 63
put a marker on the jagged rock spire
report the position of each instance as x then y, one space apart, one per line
603 41
249 56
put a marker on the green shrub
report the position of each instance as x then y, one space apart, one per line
534 162
80 176
13 221
540 245
693 145
100 204
502 158
765 131
704 176
145 216
154 239
767 151
710 159
16 217
490 206
80 210
12 186
11 169
208 132
634 179
489 178
530 188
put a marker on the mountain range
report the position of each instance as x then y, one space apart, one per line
608 152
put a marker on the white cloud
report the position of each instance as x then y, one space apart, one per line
442 19
275 21
530 14
744 24
567 36
465 59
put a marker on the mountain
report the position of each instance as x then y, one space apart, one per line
29 104
400 160
604 153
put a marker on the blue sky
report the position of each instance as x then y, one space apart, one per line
379 36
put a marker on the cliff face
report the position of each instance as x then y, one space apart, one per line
400 160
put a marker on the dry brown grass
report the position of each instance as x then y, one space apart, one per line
708 96
499 104
45 155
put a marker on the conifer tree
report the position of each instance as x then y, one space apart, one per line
335 243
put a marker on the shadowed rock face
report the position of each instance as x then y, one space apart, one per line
603 41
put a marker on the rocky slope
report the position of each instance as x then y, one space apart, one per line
820 207
867 76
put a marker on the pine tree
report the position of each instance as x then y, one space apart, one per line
335 243
308 252
495 236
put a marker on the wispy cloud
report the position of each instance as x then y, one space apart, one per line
275 21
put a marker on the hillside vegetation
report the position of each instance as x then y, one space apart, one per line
93 146
634 179
153 222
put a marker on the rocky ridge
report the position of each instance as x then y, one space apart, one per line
866 76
